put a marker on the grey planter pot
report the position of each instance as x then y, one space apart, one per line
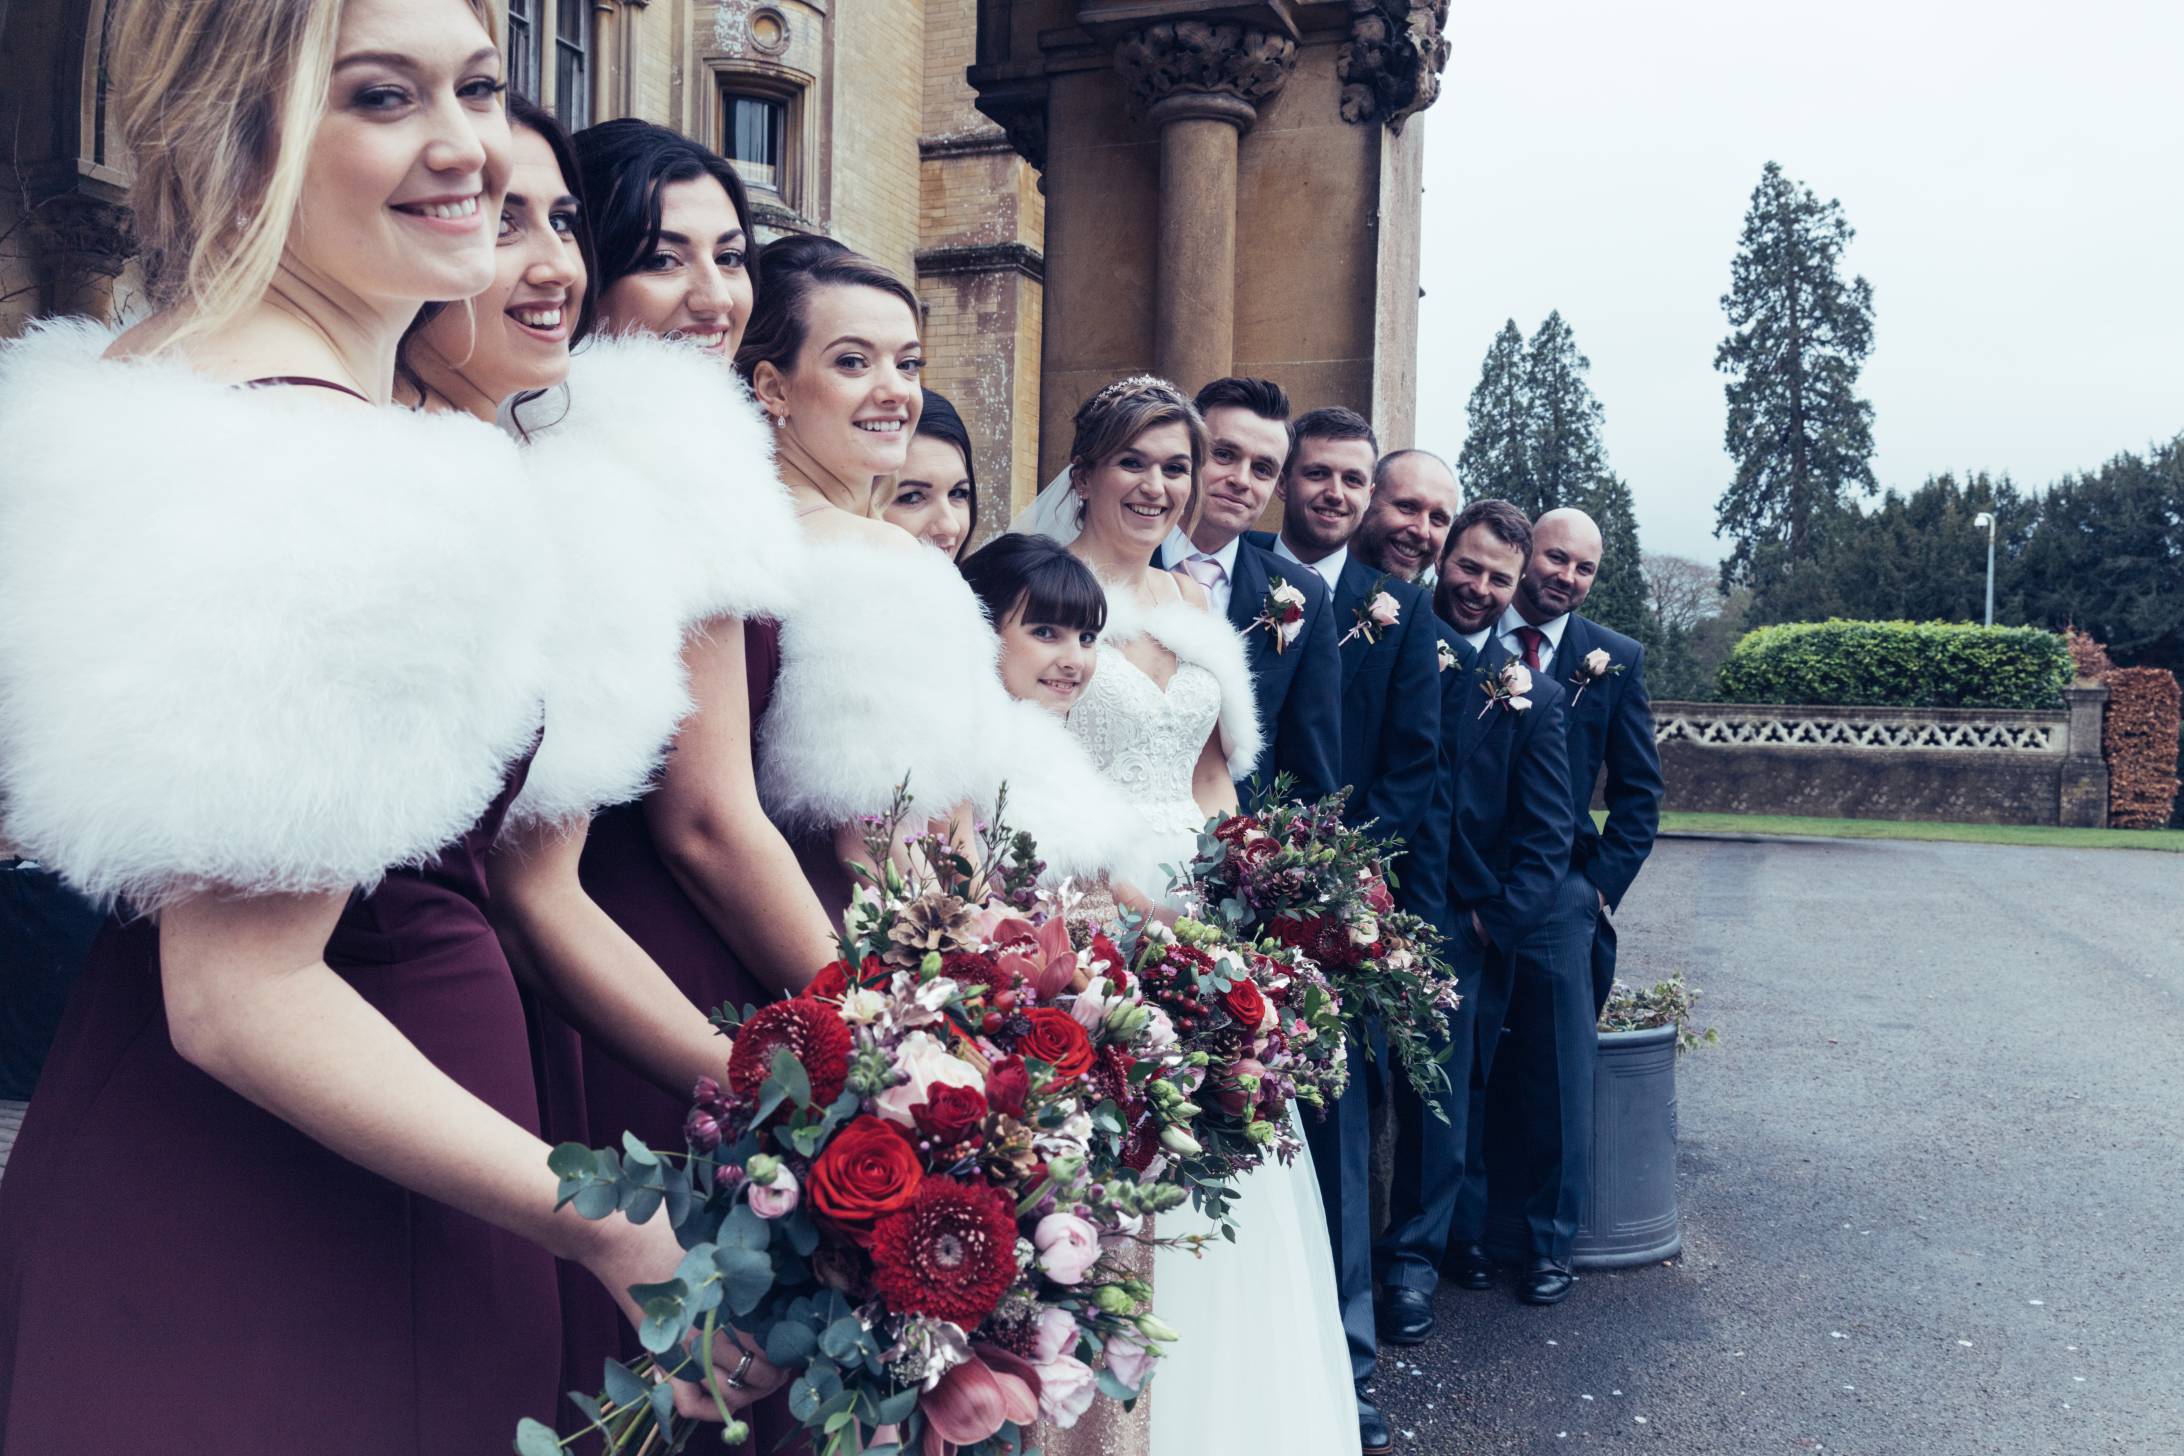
1631 1218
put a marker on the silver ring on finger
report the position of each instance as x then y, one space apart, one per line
734 1380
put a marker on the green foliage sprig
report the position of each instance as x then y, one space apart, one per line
1664 1003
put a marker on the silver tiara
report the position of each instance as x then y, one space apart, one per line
1136 384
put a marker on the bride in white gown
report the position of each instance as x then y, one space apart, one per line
1168 718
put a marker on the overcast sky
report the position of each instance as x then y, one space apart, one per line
2015 173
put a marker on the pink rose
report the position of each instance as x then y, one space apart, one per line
1596 662
1517 678
1053 1335
925 1061
1129 1361
1066 1388
1383 609
777 1199
1068 1247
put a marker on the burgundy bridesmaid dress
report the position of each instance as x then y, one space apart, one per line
592 1098
187 1272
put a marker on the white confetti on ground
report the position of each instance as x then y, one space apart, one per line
1584 1397
1967 1344
2079 1378
1641 1420
2036 1301
1837 1335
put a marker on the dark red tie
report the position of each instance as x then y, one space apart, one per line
1532 637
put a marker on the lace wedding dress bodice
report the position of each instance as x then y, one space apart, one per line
1147 739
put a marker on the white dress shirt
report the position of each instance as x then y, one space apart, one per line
1552 629
1178 549
1476 639
1329 566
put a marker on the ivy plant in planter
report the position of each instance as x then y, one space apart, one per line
1631 1218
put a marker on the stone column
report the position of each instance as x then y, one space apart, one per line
1202 84
2083 802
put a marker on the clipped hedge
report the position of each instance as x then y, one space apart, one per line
2139 740
1898 665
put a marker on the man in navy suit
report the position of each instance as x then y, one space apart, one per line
1552 1041
1504 787
1391 732
1295 679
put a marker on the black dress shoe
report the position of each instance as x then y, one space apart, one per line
1546 1282
1406 1315
1469 1268
1372 1430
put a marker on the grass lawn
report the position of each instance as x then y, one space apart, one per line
2171 840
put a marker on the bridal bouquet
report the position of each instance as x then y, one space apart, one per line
1297 875
1262 1027
917 1182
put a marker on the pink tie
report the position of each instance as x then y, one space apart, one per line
1204 570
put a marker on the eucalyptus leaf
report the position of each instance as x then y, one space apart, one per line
597 1200
663 1407
639 1204
802 1233
790 1343
745 1277
677 1194
803 1400
590 1408
844 1339
744 1229
897 1407
533 1439
623 1388
572 1160
1113 1388
661 1327
674 1289
639 1154
789 1072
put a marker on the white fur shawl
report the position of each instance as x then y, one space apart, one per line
255 639
888 669
657 485
1195 634
1082 824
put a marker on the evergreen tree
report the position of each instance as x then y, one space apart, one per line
2108 556
1562 432
1619 597
1493 464
1799 432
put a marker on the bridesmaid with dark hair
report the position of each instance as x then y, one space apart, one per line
275 660
935 498
686 865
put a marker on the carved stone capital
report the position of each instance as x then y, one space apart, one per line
1391 66
1198 58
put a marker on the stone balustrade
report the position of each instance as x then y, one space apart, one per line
1970 765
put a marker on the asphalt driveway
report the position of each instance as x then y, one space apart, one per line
1932 1182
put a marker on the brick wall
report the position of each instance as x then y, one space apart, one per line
878 101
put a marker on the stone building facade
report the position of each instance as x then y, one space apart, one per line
1231 185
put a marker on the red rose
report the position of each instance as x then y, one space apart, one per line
1257 852
868 1172
1243 1001
1007 1085
950 1114
834 980
1056 1039
811 1030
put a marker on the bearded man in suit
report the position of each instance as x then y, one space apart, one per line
1390 704
1504 787
1295 672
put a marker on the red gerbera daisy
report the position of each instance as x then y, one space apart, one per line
812 1030
951 1254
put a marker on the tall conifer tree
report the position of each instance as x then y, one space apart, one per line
1619 597
1801 436
1562 432
1493 464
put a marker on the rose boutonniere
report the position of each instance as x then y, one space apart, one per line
1444 654
1282 613
1375 615
1597 665
1507 687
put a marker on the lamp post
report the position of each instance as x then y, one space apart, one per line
1986 518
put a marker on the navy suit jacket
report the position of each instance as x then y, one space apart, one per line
1611 727
1390 704
1296 688
1505 789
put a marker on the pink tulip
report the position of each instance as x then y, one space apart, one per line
975 1399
